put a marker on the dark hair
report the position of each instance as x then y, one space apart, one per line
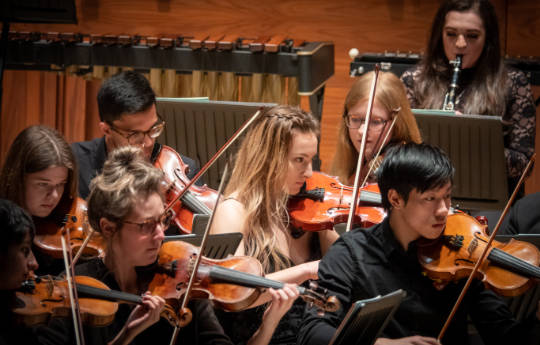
35 149
413 166
491 54
127 92
16 223
487 91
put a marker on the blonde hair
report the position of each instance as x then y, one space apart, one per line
126 176
35 149
259 177
391 95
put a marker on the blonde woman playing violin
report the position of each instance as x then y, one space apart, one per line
273 162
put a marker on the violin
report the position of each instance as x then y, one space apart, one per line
197 200
507 269
233 284
325 202
75 222
42 298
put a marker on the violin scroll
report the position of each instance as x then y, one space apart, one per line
318 297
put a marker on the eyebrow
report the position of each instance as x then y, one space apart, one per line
467 30
42 179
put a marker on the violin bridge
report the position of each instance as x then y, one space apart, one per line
472 246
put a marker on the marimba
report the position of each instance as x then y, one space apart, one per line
312 63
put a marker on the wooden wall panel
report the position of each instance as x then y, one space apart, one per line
369 25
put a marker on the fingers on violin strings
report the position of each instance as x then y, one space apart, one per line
291 290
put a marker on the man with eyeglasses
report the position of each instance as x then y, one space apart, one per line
127 111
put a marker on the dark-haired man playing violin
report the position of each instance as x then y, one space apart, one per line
127 111
416 184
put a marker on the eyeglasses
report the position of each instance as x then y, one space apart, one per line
354 122
137 137
149 226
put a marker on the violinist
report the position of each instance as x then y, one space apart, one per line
39 174
485 85
127 111
126 206
416 183
390 102
273 162
17 262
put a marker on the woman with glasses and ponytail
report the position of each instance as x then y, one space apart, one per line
390 104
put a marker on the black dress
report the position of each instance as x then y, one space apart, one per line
240 326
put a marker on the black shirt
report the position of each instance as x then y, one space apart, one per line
91 156
524 217
203 329
365 263
11 332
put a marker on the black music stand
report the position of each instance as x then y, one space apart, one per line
366 319
531 238
475 145
199 129
219 246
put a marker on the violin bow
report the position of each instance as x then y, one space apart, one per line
228 144
362 148
74 299
202 247
381 146
486 249
218 154
83 245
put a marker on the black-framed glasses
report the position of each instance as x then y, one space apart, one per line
148 226
137 137
355 122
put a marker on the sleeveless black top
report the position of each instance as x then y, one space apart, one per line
240 326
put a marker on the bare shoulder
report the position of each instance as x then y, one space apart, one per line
229 217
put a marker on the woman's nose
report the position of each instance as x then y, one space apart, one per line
461 42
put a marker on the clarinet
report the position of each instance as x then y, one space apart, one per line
450 97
